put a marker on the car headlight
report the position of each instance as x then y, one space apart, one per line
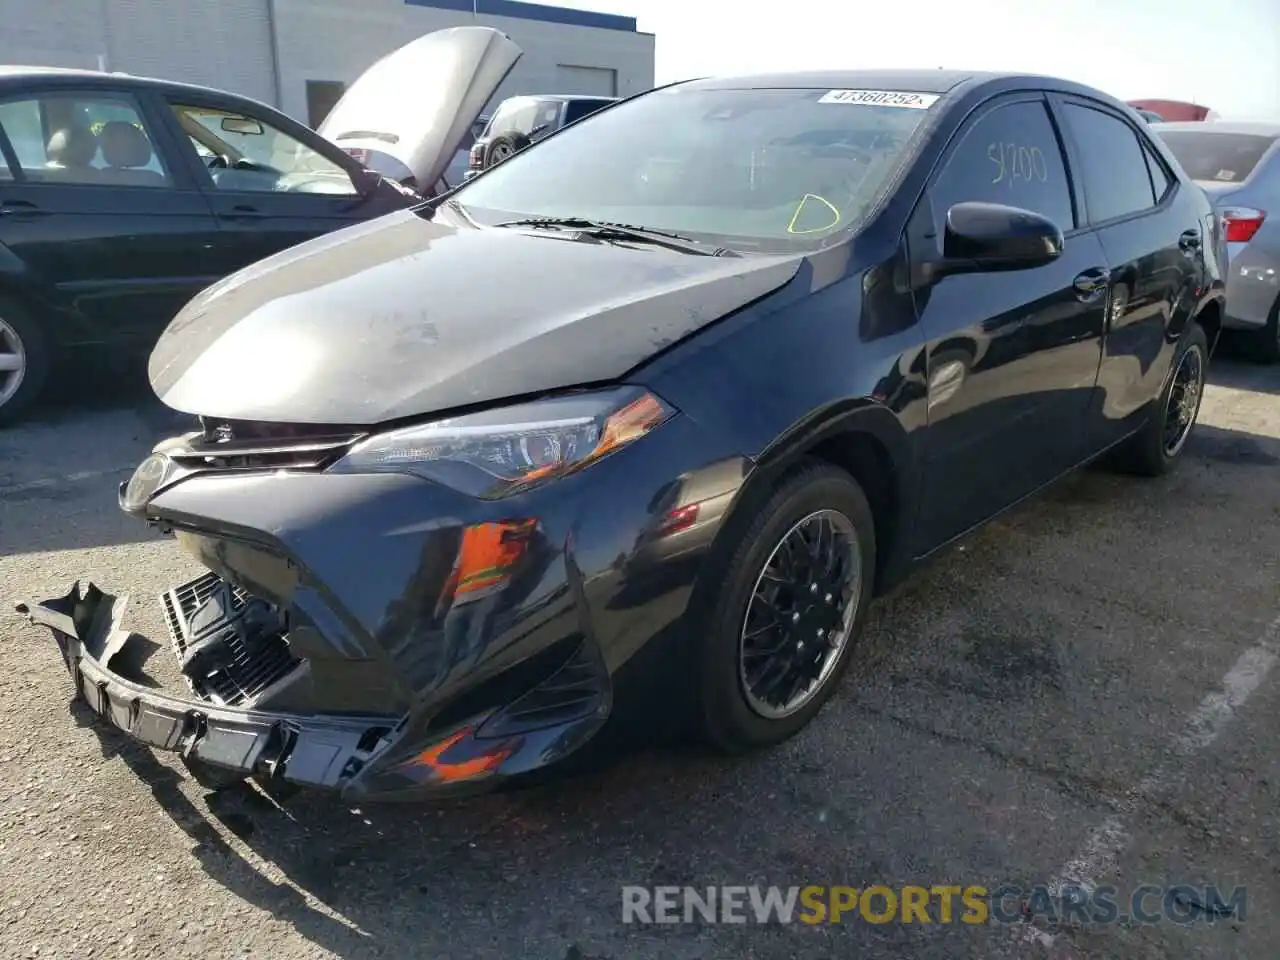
495 453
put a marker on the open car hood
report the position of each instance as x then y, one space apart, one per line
417 103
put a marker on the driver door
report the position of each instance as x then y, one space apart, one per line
269 187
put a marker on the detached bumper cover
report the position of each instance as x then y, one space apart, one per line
362 757
318 751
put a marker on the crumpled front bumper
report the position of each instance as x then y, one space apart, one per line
319 751
406 641
222 744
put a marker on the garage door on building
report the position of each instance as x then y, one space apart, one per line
586 81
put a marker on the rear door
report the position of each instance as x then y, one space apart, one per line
1012 356
1151 241
104 221
270 186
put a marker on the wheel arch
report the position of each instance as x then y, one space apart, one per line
1209 316
865 440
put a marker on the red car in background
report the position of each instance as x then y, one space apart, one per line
1174 110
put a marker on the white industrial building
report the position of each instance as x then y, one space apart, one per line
298 54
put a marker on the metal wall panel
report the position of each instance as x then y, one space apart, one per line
224 44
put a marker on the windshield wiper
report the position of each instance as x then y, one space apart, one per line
607 230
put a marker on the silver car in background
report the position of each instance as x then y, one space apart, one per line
1238 165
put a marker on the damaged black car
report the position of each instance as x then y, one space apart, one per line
681 387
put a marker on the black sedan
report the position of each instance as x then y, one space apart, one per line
122 197
674 393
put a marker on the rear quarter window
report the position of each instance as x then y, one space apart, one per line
577 109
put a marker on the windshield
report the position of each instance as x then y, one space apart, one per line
753 169
1221 157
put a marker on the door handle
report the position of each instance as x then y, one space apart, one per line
25 208
1190 239
244 212
1091 283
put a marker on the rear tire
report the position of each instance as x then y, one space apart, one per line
1265 343
777 636
504 147
24 360
1157 447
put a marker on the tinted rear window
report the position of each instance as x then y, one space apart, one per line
1221 157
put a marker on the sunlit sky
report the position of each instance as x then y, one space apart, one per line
1221 53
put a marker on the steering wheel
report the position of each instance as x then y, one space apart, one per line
219 161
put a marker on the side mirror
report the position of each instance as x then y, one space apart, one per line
989 237
366 181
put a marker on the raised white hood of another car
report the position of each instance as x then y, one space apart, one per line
418 102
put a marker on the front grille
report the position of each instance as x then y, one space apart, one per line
231 647
256 445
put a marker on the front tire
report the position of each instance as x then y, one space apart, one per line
24 360
1157 447
787 610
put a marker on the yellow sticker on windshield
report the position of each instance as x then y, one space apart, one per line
816 205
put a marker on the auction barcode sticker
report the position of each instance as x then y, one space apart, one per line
881 98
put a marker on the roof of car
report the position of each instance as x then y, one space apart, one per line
15 75
917 81
940 81
559 96
1259 128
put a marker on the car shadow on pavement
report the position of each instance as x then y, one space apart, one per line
1233 367
217 857
1218 445
415 879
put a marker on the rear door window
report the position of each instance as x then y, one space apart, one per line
547 119
1117 181
1219 157
73 138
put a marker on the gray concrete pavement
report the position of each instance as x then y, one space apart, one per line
1037 698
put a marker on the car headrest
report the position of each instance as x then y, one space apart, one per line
124 145
72 147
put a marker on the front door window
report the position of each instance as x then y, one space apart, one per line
247 154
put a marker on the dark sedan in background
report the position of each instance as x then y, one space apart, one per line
122 197
673 393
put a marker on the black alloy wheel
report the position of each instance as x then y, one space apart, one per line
780 607
1157 447
800 614
1183 401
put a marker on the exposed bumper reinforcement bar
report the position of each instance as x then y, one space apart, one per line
314 751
